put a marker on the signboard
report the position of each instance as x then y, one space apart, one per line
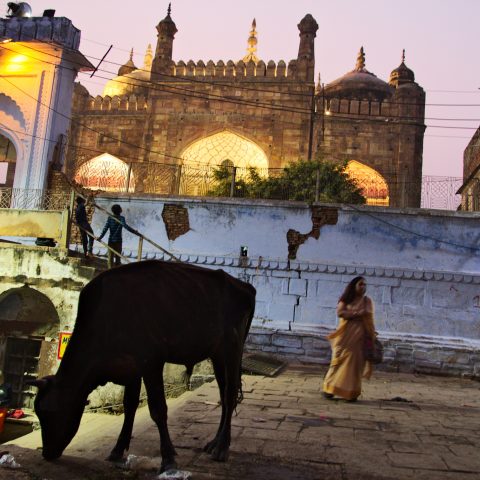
63 339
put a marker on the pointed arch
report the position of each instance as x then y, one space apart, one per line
106 172
214 149
373 185
224 148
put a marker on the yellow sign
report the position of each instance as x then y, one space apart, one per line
63 340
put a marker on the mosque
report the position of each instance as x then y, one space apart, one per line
161 127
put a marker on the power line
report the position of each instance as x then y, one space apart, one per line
216 83
411 232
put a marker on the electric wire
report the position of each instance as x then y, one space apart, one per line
203 82
412 232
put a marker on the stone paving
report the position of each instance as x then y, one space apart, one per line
285 430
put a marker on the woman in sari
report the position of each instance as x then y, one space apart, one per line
348 365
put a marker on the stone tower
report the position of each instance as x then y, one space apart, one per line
306 51
163 54
377 127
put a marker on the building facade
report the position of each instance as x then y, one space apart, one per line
39 60
163 127
470 189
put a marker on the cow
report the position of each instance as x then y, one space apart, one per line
133 319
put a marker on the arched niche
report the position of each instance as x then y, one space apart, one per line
373 185
226 149
8 160
105 172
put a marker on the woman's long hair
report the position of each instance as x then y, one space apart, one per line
348 294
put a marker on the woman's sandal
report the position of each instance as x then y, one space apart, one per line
328 396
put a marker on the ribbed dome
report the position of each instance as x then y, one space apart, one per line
128 67
402 74
134 82
359 83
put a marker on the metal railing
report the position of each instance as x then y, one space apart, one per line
33 199
204 180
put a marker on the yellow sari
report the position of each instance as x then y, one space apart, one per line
348 365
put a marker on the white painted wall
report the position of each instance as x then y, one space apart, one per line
423 286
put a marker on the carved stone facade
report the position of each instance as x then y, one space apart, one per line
157 113
39 60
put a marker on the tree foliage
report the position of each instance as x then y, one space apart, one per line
298 181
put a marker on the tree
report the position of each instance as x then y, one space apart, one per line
298 181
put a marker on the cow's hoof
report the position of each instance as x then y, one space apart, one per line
115 457
210 446
220 455
168 465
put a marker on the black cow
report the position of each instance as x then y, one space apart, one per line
130 321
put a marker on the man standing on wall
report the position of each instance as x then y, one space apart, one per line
115 224
84 227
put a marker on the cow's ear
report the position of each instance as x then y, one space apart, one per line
41 383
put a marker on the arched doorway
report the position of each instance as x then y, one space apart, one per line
28 324
106 172
223 149
8 159
374 187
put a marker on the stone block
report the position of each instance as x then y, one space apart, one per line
298 287
259 339
291 351
408 295
280 340
281 312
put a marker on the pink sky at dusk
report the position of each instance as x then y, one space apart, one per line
441 39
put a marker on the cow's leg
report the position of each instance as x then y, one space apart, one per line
219 370
233 361
131 398
158 411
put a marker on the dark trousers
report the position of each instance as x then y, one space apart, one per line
114 259
87 240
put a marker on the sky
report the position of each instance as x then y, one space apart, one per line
441 39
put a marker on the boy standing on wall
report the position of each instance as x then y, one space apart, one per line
115 224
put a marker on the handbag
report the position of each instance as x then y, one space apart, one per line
373 350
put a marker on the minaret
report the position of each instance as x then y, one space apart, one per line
163 53
306 51
147 60
252 45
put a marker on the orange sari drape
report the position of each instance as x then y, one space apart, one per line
348 365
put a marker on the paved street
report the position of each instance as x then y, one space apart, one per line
285 430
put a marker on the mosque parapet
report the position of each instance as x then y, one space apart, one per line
239 70
124 103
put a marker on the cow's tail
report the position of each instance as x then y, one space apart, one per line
240 383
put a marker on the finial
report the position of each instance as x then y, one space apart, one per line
131 55
403 56
360 60
169 10
252 45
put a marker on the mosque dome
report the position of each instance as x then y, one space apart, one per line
359 83
80 90
128 67
402 74
131 80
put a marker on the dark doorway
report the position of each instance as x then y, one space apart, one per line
21 364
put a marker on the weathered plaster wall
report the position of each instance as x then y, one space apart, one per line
425 285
